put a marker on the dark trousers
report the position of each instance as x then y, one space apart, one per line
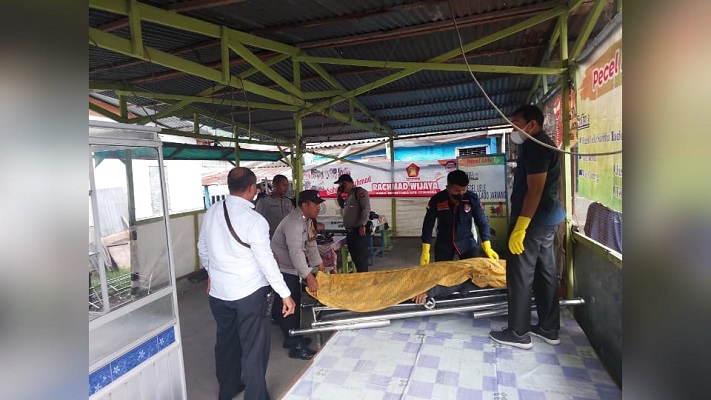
292 321
446 253
359 247
535 269
242 345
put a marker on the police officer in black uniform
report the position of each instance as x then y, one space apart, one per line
454 208
356 218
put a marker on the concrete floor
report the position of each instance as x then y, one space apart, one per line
198 332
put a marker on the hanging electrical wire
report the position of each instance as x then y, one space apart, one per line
476 81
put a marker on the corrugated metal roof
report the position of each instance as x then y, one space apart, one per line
377 30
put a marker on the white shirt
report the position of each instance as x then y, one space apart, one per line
237 271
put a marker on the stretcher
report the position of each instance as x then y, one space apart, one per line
373 299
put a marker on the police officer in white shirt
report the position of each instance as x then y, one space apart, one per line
294 246
234 249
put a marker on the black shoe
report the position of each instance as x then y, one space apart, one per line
550 337
301 352
304 340
509 337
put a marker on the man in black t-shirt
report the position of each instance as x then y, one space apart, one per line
536 213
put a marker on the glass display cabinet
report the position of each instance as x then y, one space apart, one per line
135 349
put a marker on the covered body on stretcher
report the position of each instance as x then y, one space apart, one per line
377 290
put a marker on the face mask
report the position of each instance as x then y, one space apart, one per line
255 197
517 136
457 197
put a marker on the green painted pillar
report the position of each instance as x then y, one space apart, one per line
298 161
567 164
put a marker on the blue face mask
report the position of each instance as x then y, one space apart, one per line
457 197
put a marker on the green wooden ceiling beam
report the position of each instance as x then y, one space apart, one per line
178 21
336 84
208 100
322 94
587 29
123 46
253 60
504 69
134 22
546 56
533 21
230 139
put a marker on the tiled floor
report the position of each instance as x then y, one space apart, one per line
452 357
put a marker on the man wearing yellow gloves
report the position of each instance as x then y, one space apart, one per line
455 208
536 212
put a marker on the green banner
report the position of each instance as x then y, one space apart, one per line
599 123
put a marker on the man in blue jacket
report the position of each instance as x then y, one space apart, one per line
455 208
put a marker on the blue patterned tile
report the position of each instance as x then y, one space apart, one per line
353 352
443 335
403 371
411 323
432 326
119 367
489 358
474 345
481 323
482 339
434 341
449 378
546 358
469 394
576 373
593 363
428 361
566 349
377 382
337 377
420 389
99 379
524 394
489 383
303 388
412 347
364 366
344 340
504 353
327 361
116 368
506 378
400 337
166 338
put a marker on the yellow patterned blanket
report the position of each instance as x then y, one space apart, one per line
372 291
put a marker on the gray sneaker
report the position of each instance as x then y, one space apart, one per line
509 337
550 337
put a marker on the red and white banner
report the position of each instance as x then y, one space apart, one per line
407 179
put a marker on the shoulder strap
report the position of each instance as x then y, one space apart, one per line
229 225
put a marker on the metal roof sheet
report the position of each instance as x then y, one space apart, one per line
376 30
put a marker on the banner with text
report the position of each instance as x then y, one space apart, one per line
487 178
408 179
599 120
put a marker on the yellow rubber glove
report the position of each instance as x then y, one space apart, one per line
425 257
486 246
519 232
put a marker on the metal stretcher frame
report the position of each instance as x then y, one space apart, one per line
486 302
